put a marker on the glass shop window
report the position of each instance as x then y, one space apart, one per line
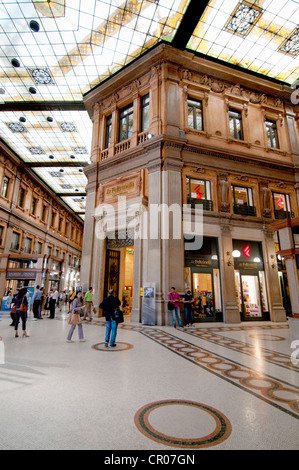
235 124
4 188
15 241
199 189
125 123
272 135
243 201
282 206
145 113
195 114
108 131
21 199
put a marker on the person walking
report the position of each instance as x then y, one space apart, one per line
88 304
21 306
36 303
108 305
75 318
13 309
174 297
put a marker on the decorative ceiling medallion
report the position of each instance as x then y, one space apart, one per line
41 76
16 127
66 186
36 150
67 126
291 44
243 18
56 174
80 150
50 9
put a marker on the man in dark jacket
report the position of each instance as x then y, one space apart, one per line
109 305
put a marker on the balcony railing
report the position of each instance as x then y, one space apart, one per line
283 214
207 204
242 209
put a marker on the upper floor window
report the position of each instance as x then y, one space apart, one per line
21 197
243 201
33 205
235 124
108 131
199 192
272 135
39 248
5 184
282 206
1 234
195 117
28 245
15 241
125 123
144 113
44 213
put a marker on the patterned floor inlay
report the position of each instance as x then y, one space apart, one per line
254 350
217 425
272 390
118 347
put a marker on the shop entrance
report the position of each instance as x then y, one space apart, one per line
251 296
206 292
250 282
119 275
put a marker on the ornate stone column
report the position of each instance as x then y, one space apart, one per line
231 313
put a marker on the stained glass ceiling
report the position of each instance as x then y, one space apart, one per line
53 52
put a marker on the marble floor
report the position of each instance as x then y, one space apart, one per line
213 386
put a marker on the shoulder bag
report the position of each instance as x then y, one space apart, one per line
118 315
170 305
23 306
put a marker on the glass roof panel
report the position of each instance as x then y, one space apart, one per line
252 35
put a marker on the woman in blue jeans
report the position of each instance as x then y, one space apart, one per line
174 297
109 305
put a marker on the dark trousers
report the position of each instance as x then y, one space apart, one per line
52 304
23 316
36 308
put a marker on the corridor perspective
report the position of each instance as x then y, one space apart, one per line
211 386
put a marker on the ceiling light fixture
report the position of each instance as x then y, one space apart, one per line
34 26
15 63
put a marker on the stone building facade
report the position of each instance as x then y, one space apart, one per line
174 131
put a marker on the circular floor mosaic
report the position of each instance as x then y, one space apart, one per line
118 347
207 420
267 337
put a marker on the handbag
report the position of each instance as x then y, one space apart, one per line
170 305
118 315
23 307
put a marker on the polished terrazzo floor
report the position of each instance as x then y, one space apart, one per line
213 386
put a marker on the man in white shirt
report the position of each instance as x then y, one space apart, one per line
53 302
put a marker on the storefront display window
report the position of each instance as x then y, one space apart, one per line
250 282
203 279
199 192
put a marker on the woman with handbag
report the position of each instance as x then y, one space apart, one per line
75 318
21 307
174 307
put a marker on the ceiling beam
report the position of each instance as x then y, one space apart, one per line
54 164
71 194
189 22
42 106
